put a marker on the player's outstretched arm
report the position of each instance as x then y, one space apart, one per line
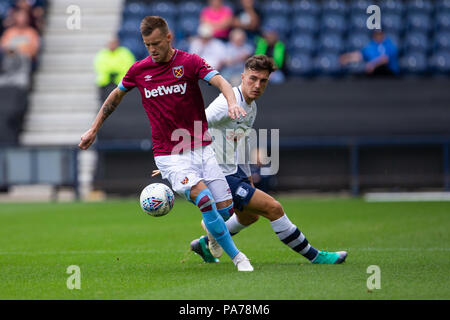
234 110
110 104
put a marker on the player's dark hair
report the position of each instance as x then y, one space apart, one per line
150 23
260 62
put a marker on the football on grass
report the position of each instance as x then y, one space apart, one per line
157 199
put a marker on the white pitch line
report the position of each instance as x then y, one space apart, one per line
406 196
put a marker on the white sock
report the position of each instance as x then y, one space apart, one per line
290 235
239 256
233 225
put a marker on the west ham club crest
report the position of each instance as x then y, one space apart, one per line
178 72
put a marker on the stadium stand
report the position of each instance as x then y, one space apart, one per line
305 25
15 69
65 98
369 111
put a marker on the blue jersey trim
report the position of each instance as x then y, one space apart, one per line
210 75
121 87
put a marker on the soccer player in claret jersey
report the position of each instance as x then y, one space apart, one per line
250 203
168 83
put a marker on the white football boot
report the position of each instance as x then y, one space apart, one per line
213 245
242 262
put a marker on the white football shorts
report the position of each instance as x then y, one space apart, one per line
186 169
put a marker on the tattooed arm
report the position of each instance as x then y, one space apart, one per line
110 104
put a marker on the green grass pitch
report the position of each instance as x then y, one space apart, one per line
125 254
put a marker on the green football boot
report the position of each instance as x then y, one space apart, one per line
325 257
200 247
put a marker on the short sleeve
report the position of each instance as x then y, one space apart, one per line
129 80
217 111
202 69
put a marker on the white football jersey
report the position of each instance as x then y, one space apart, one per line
231 137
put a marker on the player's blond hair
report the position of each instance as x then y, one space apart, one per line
150 23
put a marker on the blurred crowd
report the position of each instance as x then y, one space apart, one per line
306 38
21 24
226 39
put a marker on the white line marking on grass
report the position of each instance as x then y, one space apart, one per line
406 196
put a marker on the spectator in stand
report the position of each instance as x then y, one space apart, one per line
112 63
208 47
237 51
380 55
270 45
248 18
34 10
219 16
15 68
21 36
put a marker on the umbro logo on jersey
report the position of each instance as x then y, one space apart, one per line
163 90
148 77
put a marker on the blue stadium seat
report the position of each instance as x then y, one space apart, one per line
358 22
4 8
331 42
136 46
335 6
305 23
300 64
441 41
302 42
275 7
327 63
167 10
278 23
190 8
182 44
440 62
355 68
357 41
135 10
442 5
414 62
187 26
423 6
359 6
309 7
334 22
416 41
442 20
392 6
130 25
419 22
392 22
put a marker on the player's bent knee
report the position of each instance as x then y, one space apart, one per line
274 209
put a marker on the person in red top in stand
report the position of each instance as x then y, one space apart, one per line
168 83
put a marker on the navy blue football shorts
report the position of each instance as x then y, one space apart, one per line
241 189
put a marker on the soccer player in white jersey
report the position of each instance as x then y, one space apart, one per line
168 83
249 202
